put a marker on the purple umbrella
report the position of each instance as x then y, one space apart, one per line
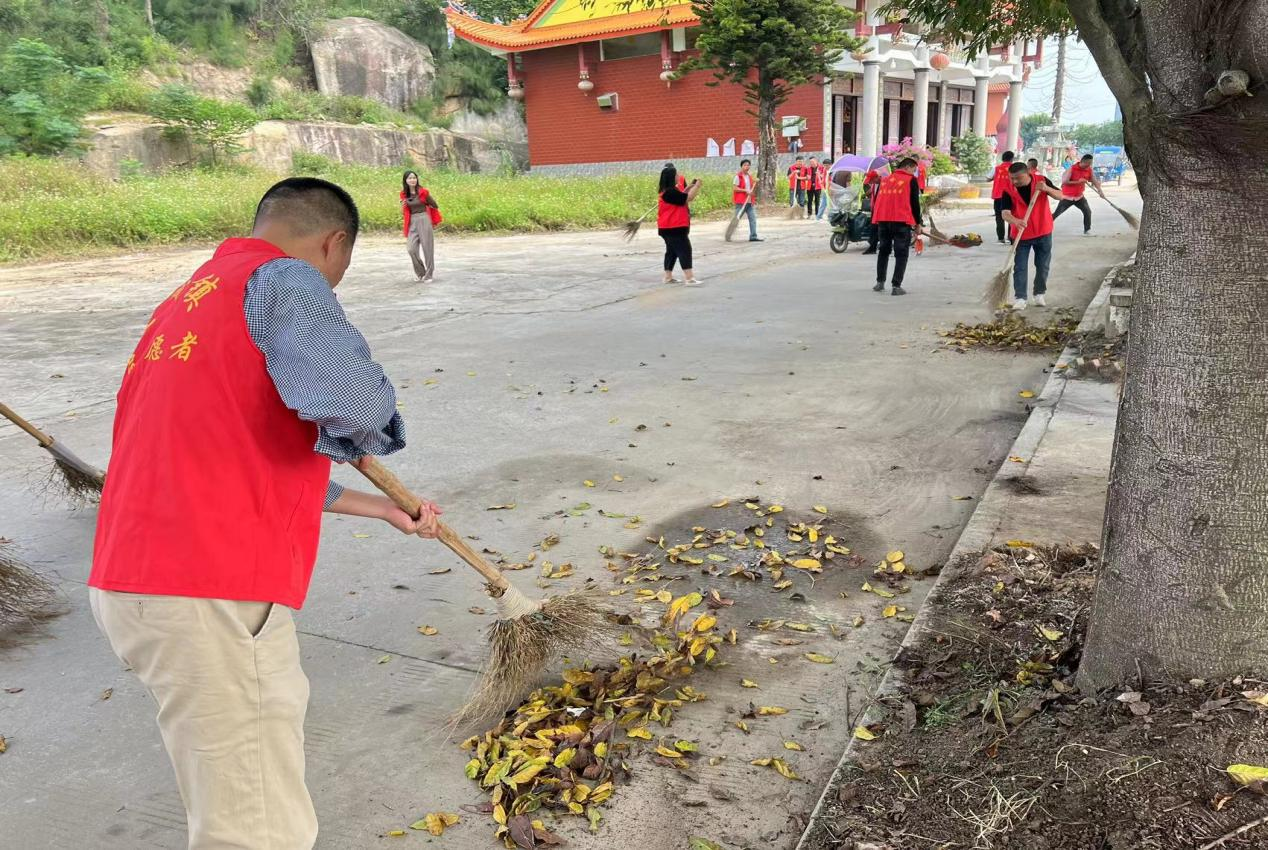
860 164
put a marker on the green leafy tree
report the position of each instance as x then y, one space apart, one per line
769 47
501 10
1183 586
44 98
973 153
213 124
1030 127
1092 135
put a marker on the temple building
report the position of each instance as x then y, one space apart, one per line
600 94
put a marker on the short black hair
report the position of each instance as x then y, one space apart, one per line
1018 168
799 156
1086 156
745 162
309 205
907 162
1008 156
1032 159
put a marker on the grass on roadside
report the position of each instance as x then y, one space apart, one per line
53 207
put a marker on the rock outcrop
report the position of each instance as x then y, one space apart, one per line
115 150
505 128
357 56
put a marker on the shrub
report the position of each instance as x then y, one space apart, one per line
211 123
972 153
260 92
44 98
125 93
942 163
305 163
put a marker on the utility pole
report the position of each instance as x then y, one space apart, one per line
1058 91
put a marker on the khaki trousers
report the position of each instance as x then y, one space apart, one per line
231 697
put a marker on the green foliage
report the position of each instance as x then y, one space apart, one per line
973 153
214 124
44 98
346 109
52 206
982 24
260 91
125 93
1092 135
502 10
1030 127
308 164
473 74
942 163
79 31
214 29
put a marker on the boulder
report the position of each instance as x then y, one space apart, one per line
115 150
505 128
357 56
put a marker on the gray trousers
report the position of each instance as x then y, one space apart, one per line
422 239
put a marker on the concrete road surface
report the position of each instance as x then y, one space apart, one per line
526 369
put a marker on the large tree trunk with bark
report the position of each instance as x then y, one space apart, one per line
1183 590
767 144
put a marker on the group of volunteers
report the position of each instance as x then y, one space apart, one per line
1031 218
206 538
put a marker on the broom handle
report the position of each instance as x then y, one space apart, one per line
391 486
1012 250
8 413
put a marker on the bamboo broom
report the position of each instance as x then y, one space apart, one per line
1131 220
632 227
997 288
24 593
528 633
82 481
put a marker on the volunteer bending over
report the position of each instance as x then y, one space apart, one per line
247 382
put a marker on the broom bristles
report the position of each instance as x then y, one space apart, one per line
520 648
631 230
24 594
997 289
1131 220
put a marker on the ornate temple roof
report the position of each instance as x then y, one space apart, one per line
557 22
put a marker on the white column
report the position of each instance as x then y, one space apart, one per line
981 96
871 107
920 108
828 129
1014 116
944 116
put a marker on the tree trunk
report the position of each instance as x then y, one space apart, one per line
767 146
1058 89
149 13
103 20
1183 587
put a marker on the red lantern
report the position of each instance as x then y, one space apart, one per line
940 61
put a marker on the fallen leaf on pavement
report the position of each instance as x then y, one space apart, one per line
428 630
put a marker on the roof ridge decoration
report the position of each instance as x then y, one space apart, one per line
557 22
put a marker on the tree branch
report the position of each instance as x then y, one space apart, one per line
1124 76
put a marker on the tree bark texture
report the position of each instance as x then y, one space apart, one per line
767 145
149 13
1183 589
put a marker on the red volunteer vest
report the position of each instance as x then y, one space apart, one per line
1040 218
214 489
1001 181
893 199
742 192
672 215
1074 191
793 175
803 176
432 212
922 175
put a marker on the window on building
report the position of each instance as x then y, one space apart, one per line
627 47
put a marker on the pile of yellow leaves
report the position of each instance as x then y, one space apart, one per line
564 749
1012 332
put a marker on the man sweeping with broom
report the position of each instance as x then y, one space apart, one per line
896 214
1031 220
247 382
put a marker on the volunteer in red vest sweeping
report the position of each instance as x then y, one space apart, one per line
1037 235
742 196
817 181
897 214
1073 185
796 195
999 193
247 382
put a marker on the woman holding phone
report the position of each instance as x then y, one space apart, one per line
673 222
421 215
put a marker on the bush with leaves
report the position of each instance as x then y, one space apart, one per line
44 98
973 153
213 124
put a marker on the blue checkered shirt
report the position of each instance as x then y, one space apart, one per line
321 364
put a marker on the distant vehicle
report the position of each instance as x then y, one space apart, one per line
1109 162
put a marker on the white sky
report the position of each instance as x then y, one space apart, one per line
1087 99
